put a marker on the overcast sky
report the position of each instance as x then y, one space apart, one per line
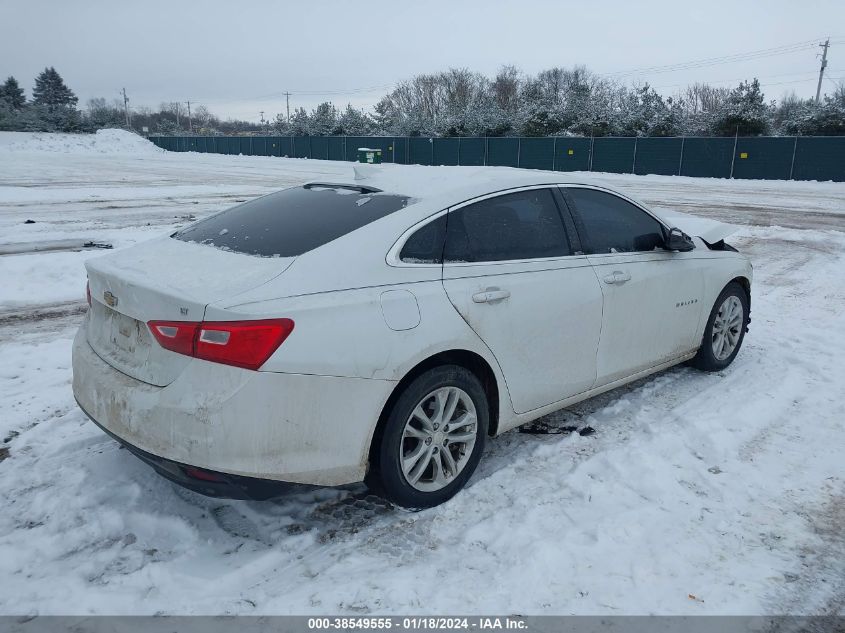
238 57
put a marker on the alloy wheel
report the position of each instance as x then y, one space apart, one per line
438 439
727 327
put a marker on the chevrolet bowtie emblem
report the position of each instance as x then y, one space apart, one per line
109 298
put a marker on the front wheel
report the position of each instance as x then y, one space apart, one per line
433 438
725 329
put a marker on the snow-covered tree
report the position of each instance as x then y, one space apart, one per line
279 125
646 113
101 114
744 112
299 124
322 120
354 123
505 88
51 92
167 127
12 94
807 118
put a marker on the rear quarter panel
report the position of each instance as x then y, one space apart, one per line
344 333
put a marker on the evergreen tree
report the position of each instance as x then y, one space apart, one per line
646 113
323 120
12 93
744 113
280 125
354 123
50 91
808 118
299 123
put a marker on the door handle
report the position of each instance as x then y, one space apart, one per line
617 277
490 295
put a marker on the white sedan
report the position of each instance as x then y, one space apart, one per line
382 329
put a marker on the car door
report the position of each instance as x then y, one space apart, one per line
510 271
652 297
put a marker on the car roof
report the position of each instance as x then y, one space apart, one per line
441 187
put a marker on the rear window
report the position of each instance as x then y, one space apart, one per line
292 222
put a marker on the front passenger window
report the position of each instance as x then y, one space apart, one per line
614 225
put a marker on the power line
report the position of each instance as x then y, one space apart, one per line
303 93
714 61
807 77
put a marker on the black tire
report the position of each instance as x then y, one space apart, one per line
706 359
386 476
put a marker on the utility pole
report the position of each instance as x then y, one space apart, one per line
190 126
126 107
821 70
287 104
262 117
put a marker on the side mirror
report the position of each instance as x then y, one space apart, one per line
677 240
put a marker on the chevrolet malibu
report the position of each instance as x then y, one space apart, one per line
379 330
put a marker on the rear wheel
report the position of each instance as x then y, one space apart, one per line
433 438
725 329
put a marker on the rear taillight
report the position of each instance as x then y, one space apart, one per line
88 292
246 344
177 336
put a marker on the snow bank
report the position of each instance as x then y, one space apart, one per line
103 142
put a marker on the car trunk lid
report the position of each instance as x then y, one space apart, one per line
165 279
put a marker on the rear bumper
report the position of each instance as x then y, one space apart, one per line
237 424
204 481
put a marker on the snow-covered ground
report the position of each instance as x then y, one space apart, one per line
698 494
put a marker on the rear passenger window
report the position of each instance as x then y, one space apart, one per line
614 225
521 225
426 245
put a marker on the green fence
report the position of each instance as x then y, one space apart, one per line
762 157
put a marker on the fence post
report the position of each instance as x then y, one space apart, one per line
394 150
592 141
431 140
733 156
310 147
681 162
518 150
554 154
292 146
486 143
792 164
634 163
459 151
